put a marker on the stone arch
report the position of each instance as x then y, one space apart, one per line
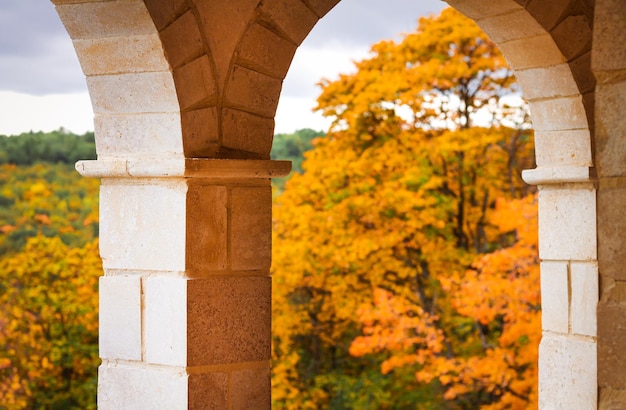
129 80
178 85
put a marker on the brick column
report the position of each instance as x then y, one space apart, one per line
185 302
569 286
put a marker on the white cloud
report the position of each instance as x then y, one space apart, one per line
37 58
23 112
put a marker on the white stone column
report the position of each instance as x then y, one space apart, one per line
185 302
569 286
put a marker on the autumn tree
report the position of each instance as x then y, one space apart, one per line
49 325
376 242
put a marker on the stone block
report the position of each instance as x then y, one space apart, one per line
165 317
265 51
567 223
253 92
548 14
247 133
289 17
581 70
195 84
609 47
612 399
207 229
554 297
585 295
510 26
610 135
200 133
142 224
228 320
567 373
477 9
611 342
102 19
123 387
209 391
547 82
555 114
611 230
117 55
133 93
182 40
321 7
251 389
137 135
563 148
120 317
573 35
251 228
164 12
223 24
532 52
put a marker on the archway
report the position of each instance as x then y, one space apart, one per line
180 87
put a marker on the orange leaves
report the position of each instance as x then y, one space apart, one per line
49 323
400 252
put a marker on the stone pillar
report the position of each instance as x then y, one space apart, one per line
609 67
569 286
185 302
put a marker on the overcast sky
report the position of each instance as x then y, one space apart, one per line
42 86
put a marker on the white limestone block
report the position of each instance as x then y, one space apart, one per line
120 317
165 314
554 297
585 295
567 373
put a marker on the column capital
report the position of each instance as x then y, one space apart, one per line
183 168
552 175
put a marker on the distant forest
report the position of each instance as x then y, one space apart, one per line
64 147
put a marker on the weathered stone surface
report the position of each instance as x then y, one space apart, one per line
584 295
142 225
554 297
563 148
209 391
120 317
229 320
133 93
510 26
263 50
117 55
562 113
611 342
195 84
251 224
207 224
201 132
138 135
610 141
102 19
253 92
250 389
290 17
567 223
537 51
611 229
140 388
165 316
247 133
547 82
567 373
477 9
182 40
